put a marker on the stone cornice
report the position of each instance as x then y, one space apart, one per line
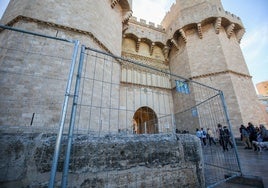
221 72
66 28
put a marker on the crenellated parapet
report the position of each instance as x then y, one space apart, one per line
144 23
173 37
219 23
146 36
181 16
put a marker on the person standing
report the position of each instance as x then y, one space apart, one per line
264 133
222 137
252 132
210 136
204 136
245 137
227 137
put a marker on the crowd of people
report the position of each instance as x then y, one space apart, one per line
252 137
223 136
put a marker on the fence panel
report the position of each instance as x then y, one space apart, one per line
33 74
120 96
117 97
34 70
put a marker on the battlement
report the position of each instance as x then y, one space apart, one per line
232 15
179 13
143 22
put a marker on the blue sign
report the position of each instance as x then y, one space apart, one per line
182 87
194 112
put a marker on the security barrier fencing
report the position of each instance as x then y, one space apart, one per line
47 84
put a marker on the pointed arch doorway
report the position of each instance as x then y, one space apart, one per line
145 121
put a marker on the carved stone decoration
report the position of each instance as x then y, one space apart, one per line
125 27
138 45
183 35
199 29
230 29
126 16
240 33
174 42
152 48
217 25
114 2
165 52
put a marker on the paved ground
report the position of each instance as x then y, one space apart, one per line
253 163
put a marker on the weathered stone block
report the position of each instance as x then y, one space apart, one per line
112 160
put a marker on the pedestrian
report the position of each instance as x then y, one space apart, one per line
222 138
204 136
227 137
210 136
198 133
245 137
264 133
252 132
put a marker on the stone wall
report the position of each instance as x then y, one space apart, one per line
111 161
97 17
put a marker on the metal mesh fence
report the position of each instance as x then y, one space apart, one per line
112 101
33 75
121 96
117 98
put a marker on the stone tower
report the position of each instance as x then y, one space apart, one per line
200 41
204 42
197 39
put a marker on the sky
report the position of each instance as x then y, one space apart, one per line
253 13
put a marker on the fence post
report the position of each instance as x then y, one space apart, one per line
63 115
229 125
72 120
173 123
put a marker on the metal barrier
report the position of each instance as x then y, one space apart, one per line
121 96
112 95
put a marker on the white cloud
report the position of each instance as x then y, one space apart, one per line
151 10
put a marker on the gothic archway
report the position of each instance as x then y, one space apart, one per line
145 121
